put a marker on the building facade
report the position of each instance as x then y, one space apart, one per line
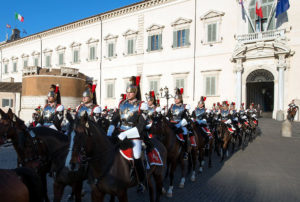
217 49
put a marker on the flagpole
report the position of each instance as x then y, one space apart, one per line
249 19
271 13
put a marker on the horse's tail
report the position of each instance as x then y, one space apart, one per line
32 182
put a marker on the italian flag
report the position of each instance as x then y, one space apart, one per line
19 17
258 9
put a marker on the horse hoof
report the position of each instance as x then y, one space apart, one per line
163 191
170 195
193 178
181 185
200 170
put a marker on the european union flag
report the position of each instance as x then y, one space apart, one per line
282 6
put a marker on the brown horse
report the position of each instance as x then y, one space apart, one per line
166 134
20 185
201 145
44 150
225 138
110 173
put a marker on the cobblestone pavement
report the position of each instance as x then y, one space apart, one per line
267 170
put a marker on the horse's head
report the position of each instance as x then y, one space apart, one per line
80 141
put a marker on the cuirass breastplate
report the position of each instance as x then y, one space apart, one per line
177 112
224 114
48 113
83 108
129 112
199 112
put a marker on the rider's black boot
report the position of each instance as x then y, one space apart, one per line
140 171
185 147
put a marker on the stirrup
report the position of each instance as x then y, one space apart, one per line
185 156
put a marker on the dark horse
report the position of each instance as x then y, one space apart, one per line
45 150
224 137
163 129
109 172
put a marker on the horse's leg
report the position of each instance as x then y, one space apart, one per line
112 198
123 196
44 184
151 190
77 187
172 170
210 153
96 195
182 180
58 190
158 177
201 158
194 160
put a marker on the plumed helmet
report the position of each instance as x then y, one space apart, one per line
225 103
55 93
90 91
151 97
178 93
232 104
202 100
134 86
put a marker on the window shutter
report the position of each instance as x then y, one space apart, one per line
128 47
214 32
149 44
209 33
207 85
159 41
174 39
213 85
187 34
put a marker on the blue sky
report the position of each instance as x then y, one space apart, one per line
40 15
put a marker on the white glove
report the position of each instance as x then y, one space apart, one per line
97 110
149 126
208 111
144 106
60 108
110 130
228 121
183 122
188 107
244 117
158 109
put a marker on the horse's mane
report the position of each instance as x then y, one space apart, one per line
48 132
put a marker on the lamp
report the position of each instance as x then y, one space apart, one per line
263 91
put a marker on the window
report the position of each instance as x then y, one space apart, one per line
25 63
210 85
212 32
60 58
109 90
179 83
92 53
154 86
130 46
111 50
48 61
181 38
261 24
75 56
36 61
7 102
154 42
14 67
6 68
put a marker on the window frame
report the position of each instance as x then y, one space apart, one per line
63 58
109 82
46 56
211 74
78 56
6 71
10 102
15 67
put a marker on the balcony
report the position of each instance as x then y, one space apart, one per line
260 36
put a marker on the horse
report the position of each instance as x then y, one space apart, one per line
21 185
44 150
224 137
163 130
291 113
110 173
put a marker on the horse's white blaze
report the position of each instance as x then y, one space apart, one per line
69 156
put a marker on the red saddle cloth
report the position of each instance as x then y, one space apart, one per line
207 131
230 130
180 137
255 122
150 135
127 154
193 141
154 158
246 123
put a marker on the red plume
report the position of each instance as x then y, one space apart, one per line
39 107
252 104
124 96
243 104
218 103
94 85
214 104
137 80
157 102
181 91
204 98
152 94
56 88
105 107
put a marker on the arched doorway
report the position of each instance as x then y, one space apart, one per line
260 89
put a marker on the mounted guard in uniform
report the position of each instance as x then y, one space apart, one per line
226 116
53 112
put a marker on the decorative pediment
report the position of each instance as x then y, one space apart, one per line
154 27
60 47
24 55
5 60
34 53
212 14
47 50
75 44
14 58
130 32
110 36
92 40
181 21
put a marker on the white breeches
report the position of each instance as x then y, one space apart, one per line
137 148
130 134
203 121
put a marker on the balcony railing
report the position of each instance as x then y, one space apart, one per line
260 36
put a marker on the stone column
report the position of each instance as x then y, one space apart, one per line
238 71
281 66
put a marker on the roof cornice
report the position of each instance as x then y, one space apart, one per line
89 20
